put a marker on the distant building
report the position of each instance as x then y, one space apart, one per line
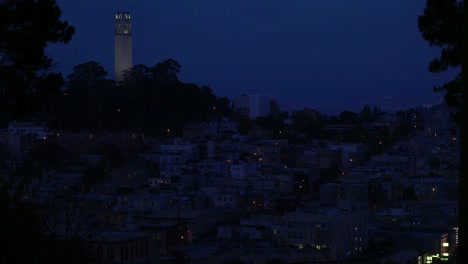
253 105
241 104
23 128
122 45
259 106
22 135
239 171
351 153
117 247
327 233
19 144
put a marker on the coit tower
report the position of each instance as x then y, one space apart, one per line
122 45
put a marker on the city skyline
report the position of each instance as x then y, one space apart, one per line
330 56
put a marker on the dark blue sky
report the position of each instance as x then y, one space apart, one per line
329 55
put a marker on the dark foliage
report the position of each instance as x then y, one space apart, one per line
26 240
26 28
150 99
26 80
441 25
179 257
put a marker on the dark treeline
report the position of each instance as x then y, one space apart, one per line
150 99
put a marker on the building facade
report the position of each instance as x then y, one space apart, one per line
327 233
252 105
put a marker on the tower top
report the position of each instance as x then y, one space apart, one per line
122 15
123 23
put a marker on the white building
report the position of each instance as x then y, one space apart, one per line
351 153
239 171
24 128
259 106
253 105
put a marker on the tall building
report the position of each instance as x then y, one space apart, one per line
123 45
252 105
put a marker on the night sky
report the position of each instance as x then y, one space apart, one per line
328 55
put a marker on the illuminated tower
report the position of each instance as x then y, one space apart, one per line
123 45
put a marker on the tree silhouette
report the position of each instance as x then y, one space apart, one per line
26 79
26 28
442 25
366 114
142 102
348 117
88 74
